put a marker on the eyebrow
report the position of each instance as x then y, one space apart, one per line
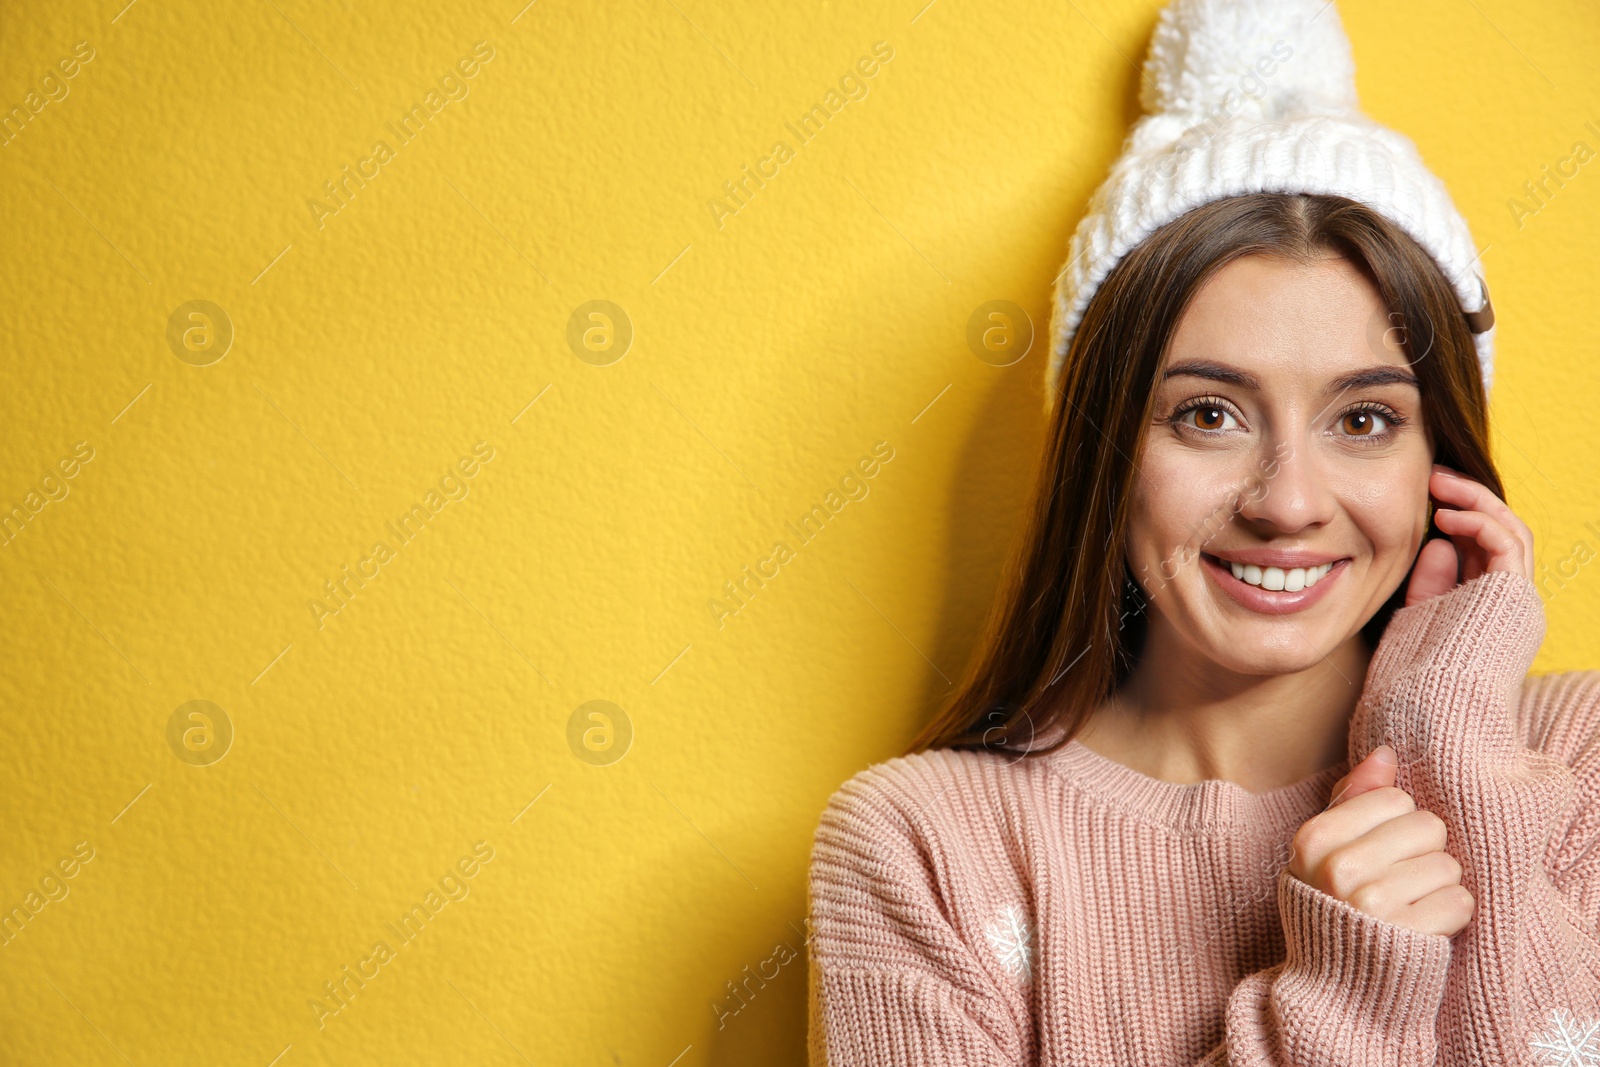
1220 372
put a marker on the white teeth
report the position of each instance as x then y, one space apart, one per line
1276 578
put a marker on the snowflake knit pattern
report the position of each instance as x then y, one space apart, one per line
1569 1044
1012 941
984 910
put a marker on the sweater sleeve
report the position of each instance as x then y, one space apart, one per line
1352 989
892 982
1448 689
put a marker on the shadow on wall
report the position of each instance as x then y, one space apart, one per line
1000 459
988 495
989 490
770 1027
761 1016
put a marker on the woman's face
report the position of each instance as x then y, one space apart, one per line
1287 443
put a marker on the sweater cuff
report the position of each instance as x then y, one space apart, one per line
1354 982
898 1017
1447 675
1491 626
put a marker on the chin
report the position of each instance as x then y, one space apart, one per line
1262 644
1268 657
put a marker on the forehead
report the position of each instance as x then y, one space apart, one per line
1283 319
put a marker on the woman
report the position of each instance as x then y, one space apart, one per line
1249 768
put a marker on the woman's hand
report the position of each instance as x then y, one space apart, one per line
1483 534
1373 849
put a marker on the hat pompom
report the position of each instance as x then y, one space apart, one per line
1277 59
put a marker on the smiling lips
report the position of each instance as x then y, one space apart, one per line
1292 580
1274 583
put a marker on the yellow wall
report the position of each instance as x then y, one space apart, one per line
373 347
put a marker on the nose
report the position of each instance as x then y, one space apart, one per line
1287 491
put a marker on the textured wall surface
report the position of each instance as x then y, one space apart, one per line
254 317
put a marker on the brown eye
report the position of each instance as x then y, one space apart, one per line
1206 416
1362 423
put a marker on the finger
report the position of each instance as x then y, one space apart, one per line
1454 487
1449 484
1474 561
1428 873
1435 572
1366 862
1374 772
1416 833
1503 549
1444 911
1349 820
1482 533
1403 884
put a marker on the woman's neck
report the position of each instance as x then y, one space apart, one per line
1183 720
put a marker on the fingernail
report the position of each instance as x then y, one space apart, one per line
1386 755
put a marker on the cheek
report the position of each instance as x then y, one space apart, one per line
1179 501
1392 512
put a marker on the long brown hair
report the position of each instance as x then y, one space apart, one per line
1066 626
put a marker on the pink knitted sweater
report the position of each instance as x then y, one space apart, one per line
986 910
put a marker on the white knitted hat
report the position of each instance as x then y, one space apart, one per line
1249 96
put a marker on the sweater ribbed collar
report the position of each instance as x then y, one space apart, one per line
1214 805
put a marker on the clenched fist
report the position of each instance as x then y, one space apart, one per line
1373 849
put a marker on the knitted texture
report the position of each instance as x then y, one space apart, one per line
985 908
1251 96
